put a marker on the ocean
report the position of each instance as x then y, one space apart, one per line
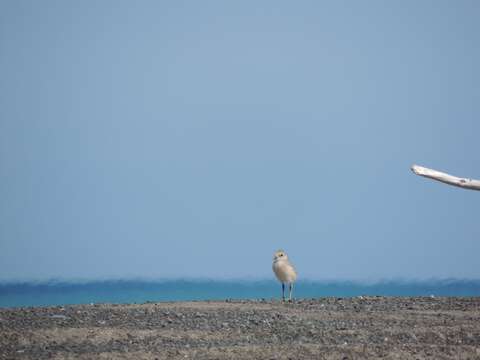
56 293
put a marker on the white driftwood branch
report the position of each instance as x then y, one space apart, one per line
471 184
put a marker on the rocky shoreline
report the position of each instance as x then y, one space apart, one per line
325 328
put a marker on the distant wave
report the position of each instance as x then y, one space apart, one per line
63 292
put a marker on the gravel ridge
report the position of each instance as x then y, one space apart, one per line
361 327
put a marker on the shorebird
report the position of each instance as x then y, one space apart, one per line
284 271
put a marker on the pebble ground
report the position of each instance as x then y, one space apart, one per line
325 328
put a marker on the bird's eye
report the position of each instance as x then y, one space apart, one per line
281 254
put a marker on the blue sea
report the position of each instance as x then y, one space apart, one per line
52 293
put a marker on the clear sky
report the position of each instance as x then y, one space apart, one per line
193 139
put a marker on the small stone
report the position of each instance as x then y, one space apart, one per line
59 316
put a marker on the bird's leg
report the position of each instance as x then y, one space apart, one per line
283 291
290 291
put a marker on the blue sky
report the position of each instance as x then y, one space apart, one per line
193 139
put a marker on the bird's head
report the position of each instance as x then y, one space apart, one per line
280 255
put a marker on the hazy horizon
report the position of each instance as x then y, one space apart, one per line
251 279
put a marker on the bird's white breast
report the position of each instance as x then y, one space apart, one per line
284 271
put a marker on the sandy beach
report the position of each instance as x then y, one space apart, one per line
326 328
